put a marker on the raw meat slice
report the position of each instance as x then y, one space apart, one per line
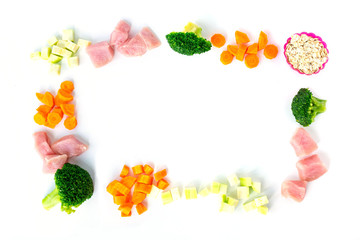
150 39
69 145
54 162
310 168
302 142
294 189
42 144
120 34
100 53
134 47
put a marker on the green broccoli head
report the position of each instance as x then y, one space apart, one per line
305 107
73 186
189 42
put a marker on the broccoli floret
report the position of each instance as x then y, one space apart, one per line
188 42
305 107
73 185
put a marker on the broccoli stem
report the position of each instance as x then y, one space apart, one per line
319 105
51 200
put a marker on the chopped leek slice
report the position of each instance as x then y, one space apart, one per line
215 187
225 207
61 52
61 43
263 210
245 181
68 34
233 180
55 68
256 186
54 58
223 188
190 193
204 192
83 43
166 197
248 206
260 201
175 193
52 41
73 61
35 55
242 192
154 192
71 46
45 53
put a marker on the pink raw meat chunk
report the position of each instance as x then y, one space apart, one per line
134 47
42 144
303 143
54 162
150 39
120 34
294 189
100 53
310 168
69 145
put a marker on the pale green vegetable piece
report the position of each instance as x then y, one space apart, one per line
55 68
242 192
61 52
248 206
71 46
52 41
45 53
225 207
73 61
175 193
245 181
192 27
260 201
223 188
233 180
263 210
232 201
54 58
62 43
204 192
256 186
166 197
83 43
215 187
154 192
190 193
35 55
68 34
224 198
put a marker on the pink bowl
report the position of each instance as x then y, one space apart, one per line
313 36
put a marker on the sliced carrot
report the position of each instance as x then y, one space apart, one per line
146 179
126 208
270 51
116 188
218 40
163 184
140 208
251 60
233 49
263 40
226 57
252 49
47 98
70 123
44 109
138 197
125 171
50 125
40 96
121 199
128 181
148 169
40 118
64 95
58 101
160 174
241 52
144 188
126 215
241 37
68 109
54 117
67 86
138 169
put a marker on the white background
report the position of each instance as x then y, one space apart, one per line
196 117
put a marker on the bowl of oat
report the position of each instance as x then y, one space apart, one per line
306 53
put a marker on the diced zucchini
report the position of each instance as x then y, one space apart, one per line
68 34
204 192
245 181
225 207
83 43
73 61
242 192
233 180
190 193
260 201
166 197
215 187
55 68
263 210
52 41
175 193
45 53
71 46
54 58
248 206
61 43
223 189
35 55
61 52
154 192
256 186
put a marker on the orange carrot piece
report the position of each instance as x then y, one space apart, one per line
58 110
226 57
40 96
163 184
270 51
144 188
58 101
241 37
54 117
263 40
218 40
50 125
64 95
40 118
233 49
44 109
252 49
116 188
140 208
128 181
160 174
67 86
125 171
47 98
68 109
138 197
148 169
70 123
126 215
138 169
241 52
119 200
126 208
146 179
251 60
